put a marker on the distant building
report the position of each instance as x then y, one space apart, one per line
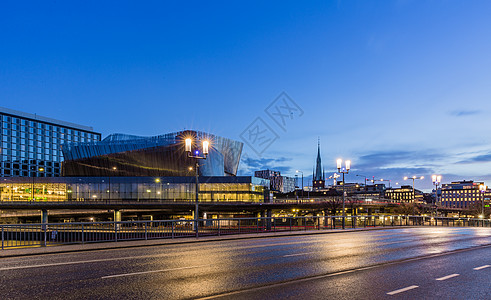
461 194
282 184
31 145
318 178
349 188
404 194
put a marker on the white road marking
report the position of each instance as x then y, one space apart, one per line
482 267
402 290
153 271
447 277
298 254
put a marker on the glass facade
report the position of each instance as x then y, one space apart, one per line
162 155
150 189
31 146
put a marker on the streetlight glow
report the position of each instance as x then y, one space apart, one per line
339 162
188 145
348 165
205 147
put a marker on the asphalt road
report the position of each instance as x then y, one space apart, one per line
410 263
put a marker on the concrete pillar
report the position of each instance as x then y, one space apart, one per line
44 216
117 215
268 223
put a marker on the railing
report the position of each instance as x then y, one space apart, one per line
51 234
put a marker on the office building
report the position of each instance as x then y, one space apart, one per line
404 194
32 145
462 194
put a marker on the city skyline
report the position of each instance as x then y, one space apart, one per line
398 87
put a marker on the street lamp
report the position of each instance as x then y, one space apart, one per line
365 183
413 179
437 179
197 157
482 189
343 171
40 169
382 180
298 171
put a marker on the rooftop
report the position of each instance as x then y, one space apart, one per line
35 117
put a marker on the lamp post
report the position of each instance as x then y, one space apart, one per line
197 157
382 180
365 183
414 195
343 171
41 169
298 171
482 189
437 179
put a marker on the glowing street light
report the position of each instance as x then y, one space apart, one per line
197 157
343 171
436 179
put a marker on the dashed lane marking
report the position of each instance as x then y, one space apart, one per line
403 290
447 277
481 267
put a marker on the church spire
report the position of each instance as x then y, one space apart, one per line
318 167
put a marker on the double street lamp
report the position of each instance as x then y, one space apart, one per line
196 155
437 179
343 171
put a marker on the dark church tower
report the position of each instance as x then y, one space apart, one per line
318 176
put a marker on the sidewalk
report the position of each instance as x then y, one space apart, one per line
161 242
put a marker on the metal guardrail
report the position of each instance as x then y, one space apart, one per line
52 234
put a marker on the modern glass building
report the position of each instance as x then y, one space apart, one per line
93 190
31 144
156 156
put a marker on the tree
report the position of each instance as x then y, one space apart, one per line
408 209
352 204
475 209
333 203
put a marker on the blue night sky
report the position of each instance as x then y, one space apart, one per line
401 88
